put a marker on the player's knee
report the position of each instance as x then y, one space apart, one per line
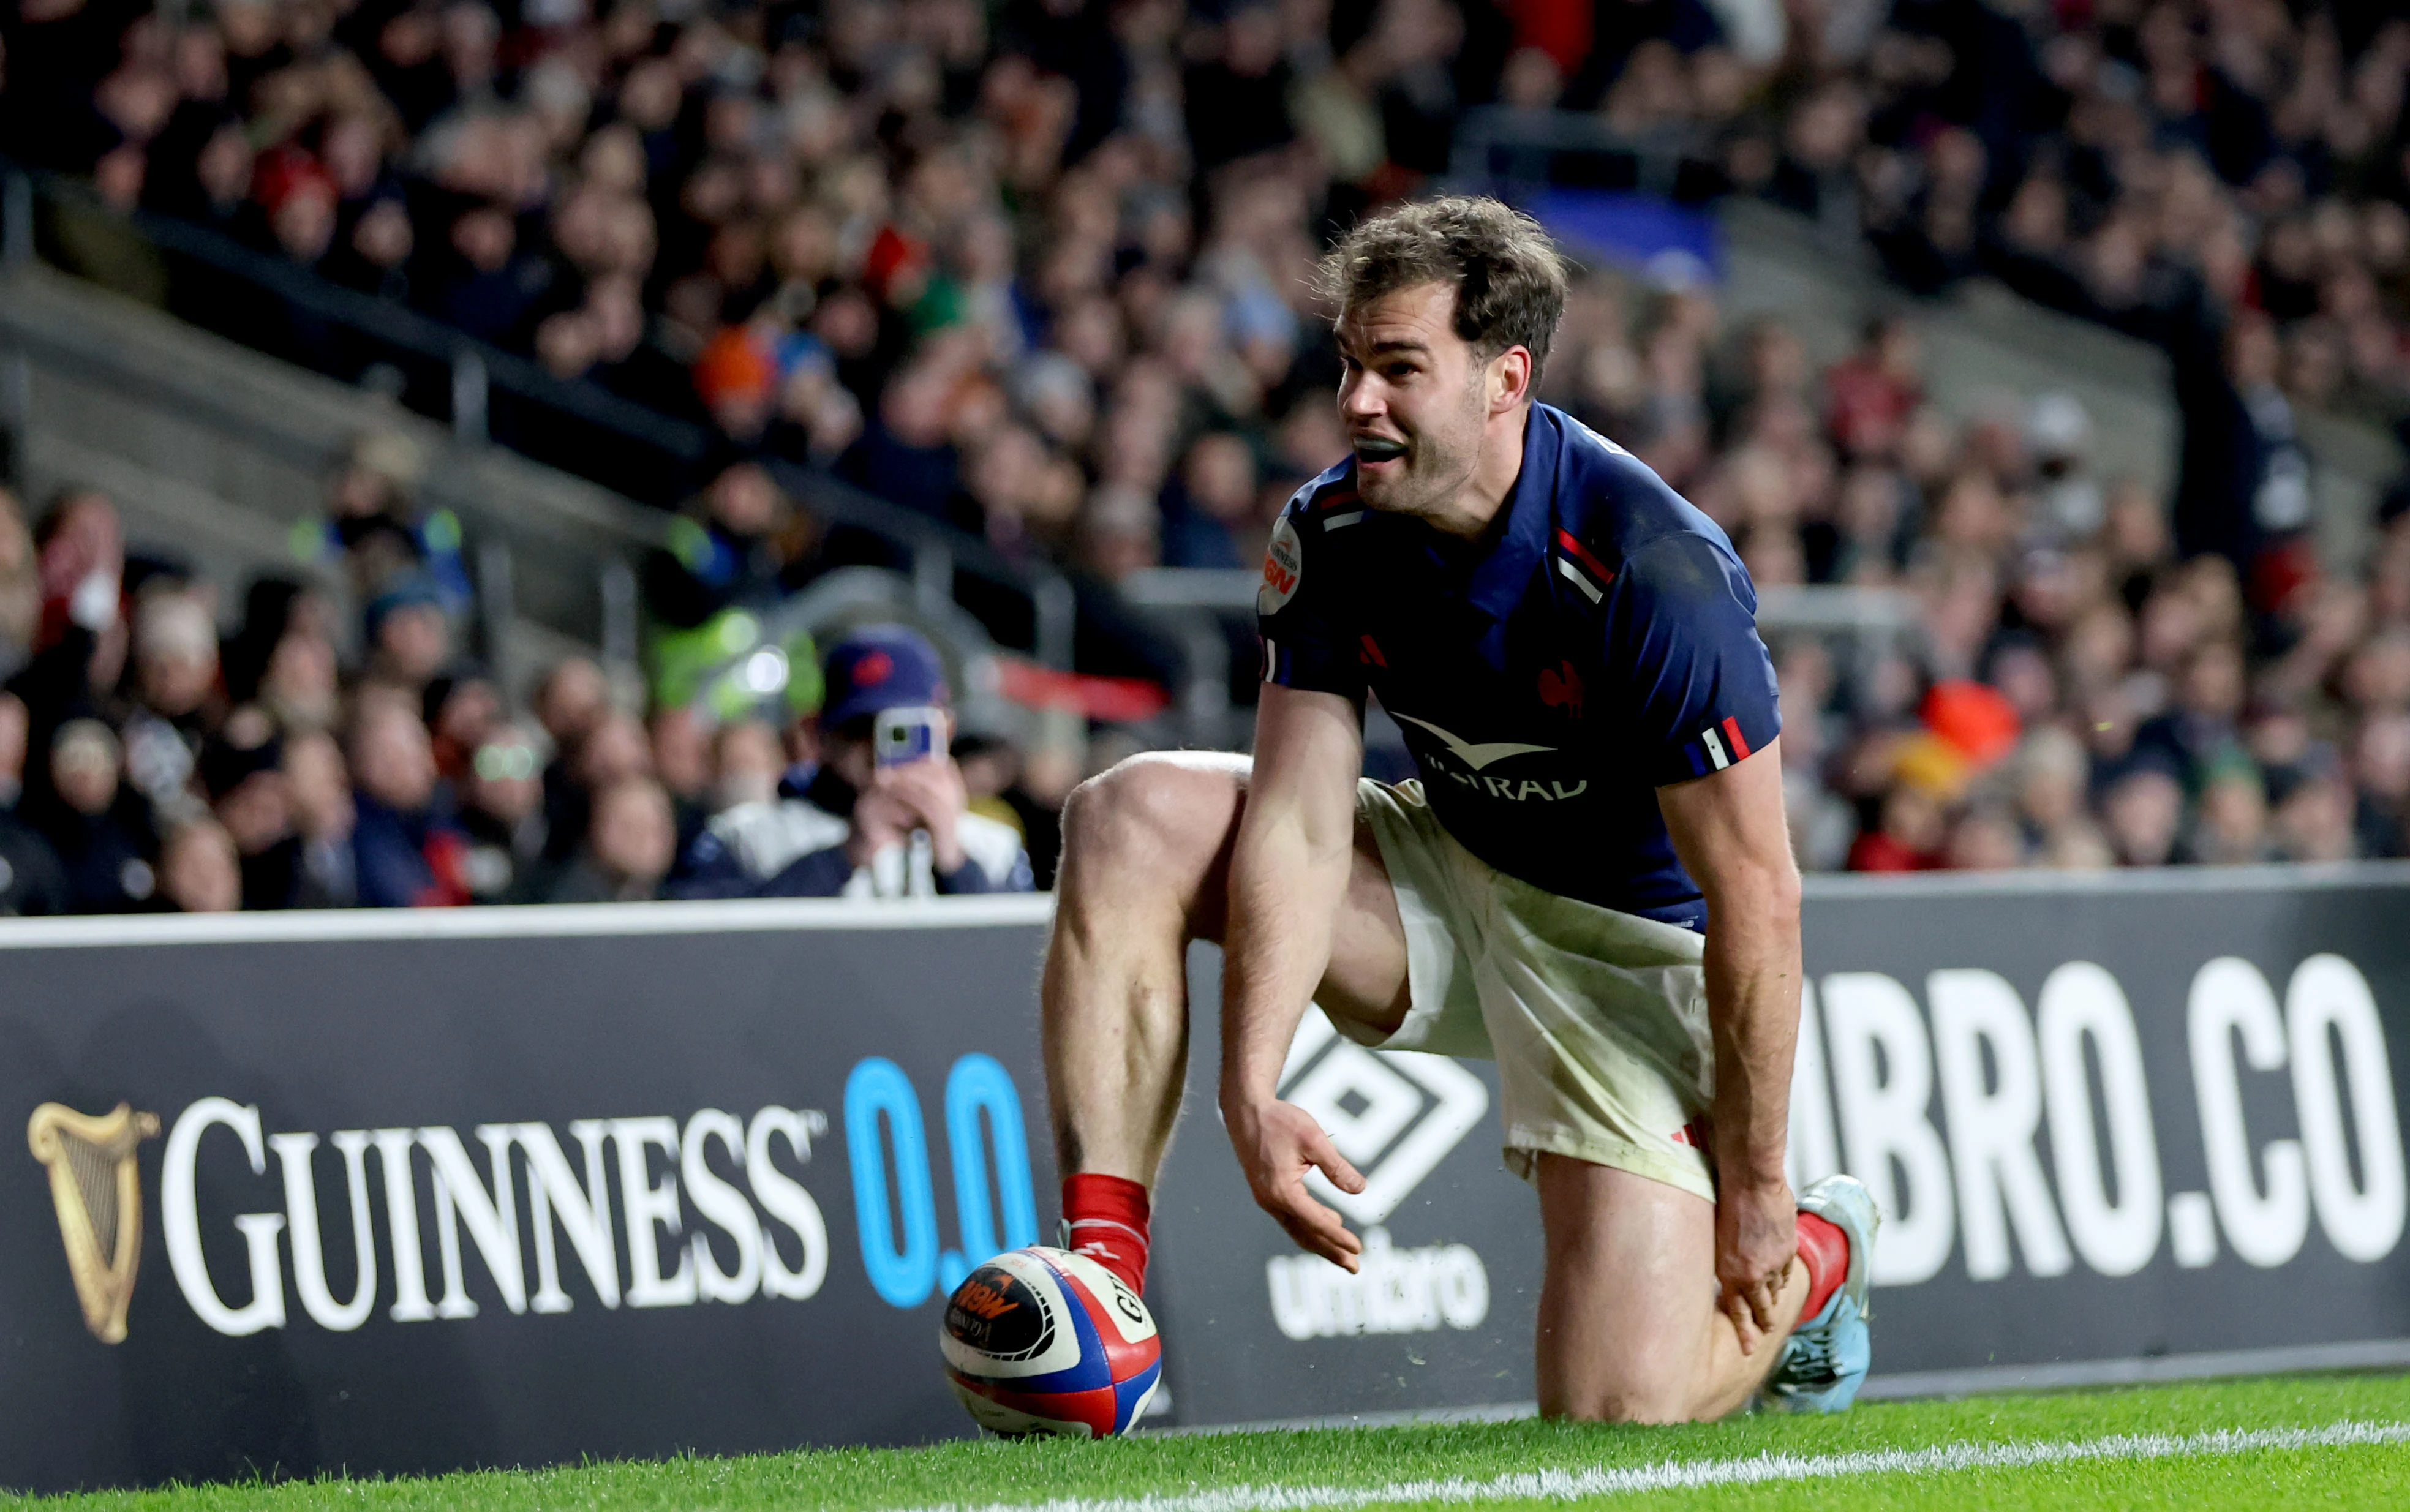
1637 1404
1641 1396
1150 815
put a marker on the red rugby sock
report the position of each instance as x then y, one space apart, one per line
1826 1252
1107 1216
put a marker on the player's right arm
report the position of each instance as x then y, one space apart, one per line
1288 872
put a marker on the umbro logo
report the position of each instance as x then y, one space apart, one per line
1394 1116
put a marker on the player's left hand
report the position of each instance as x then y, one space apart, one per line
1757 1240
1277 1143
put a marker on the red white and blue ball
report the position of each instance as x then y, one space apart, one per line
1043 1340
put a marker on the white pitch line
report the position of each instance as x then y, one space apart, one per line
1576 1485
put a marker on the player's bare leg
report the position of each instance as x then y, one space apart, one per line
1629 1328
1146 855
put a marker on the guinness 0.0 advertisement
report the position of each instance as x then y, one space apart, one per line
334 1191
408 1192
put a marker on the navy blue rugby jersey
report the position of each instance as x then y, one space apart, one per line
1600 641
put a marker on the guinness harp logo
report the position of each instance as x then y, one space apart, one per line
98 1190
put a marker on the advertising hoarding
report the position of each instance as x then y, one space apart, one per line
408 1192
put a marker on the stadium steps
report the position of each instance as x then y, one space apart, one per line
217 454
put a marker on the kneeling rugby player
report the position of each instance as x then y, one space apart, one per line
1591 883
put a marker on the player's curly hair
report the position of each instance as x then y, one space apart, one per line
1510 281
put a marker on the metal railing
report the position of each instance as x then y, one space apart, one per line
486 394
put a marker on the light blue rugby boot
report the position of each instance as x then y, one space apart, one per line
1824 1361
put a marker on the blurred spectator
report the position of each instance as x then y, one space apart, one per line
2313 820
570 699
612 750
681 750
33 883
175 681
501 814
728 550
2231 829
1210 517
198 870
242 773
408 633
408 852
21 592
375 530
1001 785
284 657
324 818
629 847
461 708
2380 763
746 762
1907 836
2143 813
95 825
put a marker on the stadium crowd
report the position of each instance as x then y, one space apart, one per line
1039 271
2079 691
149 762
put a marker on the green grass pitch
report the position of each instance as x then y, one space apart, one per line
2276 1443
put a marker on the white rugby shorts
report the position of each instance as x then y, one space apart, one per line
1598 1020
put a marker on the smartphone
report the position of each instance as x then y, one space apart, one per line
903 735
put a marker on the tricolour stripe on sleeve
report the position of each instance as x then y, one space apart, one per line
1739 741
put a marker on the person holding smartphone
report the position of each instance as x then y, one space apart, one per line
884 813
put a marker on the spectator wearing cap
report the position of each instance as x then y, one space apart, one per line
408 633
851 827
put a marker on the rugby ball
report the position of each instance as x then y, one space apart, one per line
1043 1340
